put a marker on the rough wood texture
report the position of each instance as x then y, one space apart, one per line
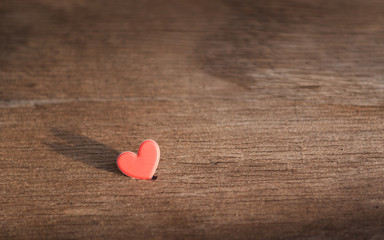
269 116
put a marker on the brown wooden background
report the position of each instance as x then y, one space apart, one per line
269 116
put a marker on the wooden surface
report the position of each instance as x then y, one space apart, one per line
269 116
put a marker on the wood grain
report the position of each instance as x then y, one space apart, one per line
269 116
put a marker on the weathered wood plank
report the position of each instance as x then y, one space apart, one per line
269 116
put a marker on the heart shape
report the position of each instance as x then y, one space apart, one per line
144 164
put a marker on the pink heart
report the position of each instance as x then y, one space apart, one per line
144 164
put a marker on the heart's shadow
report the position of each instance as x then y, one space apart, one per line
84 149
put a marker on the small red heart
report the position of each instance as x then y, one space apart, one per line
144 164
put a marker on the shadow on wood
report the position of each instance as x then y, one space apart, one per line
84 149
